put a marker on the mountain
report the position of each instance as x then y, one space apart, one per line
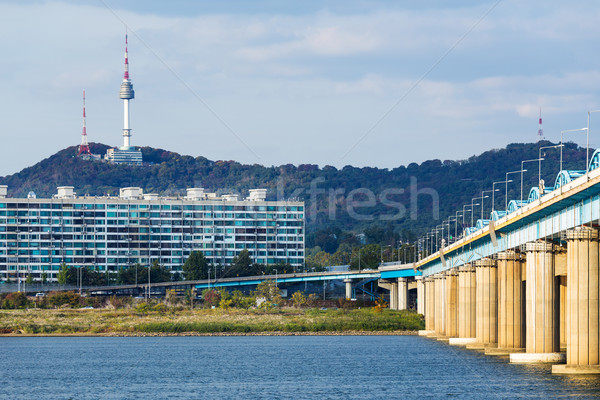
370 200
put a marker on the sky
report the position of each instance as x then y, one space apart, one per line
353 82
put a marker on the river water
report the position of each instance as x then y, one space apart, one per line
283 367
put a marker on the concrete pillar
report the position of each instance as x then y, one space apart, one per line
420 295
348 283
583 302
440 300
466 306
451 311
542 315
429 303
562 282
486 307
511 326
542 324
393 295
402 293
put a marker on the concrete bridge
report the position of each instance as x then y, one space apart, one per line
524 283
349 277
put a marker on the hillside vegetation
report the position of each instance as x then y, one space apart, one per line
332 199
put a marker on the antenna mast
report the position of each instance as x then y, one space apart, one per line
540 135
84 148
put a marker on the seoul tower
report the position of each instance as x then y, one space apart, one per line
126 94
84 148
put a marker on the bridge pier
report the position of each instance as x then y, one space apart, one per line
486 307
420 295
348 283
542 326
511 327
429 285
466 306
451 286
583 307
440 300
402 294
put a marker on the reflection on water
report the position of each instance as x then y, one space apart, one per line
293 367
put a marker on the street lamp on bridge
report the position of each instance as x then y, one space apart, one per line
540 163
587 147
472 205
494 190
484 192
523 170
506 187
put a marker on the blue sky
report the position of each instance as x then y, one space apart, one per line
272 82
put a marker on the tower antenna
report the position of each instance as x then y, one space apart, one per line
84 148
126 94
540 135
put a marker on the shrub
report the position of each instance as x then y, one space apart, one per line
15 300
59 299
143 308
160 307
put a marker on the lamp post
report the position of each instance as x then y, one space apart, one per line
540 158
472 205
561 142
466 205
456 222
482 194
359 260
494 190
449 220
587 147
506 188
522 170
381 248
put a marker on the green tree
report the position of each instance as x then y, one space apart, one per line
63 274
267 289
241 265
195 267
29 279
44 277
159 273
370 257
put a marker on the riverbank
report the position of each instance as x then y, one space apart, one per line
206 322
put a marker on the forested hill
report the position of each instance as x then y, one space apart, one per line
349 198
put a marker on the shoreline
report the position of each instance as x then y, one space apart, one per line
183 334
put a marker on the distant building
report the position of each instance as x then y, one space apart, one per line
131 156
106 233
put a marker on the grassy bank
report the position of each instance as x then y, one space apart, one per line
204 321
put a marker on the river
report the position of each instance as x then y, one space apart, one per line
271 367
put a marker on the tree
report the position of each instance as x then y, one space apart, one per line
370 257
29 279
195 267
159 273
211 297
298 299
63 274
266 289
241 265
